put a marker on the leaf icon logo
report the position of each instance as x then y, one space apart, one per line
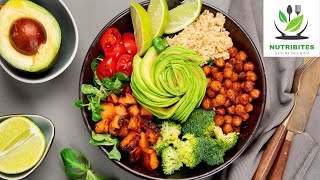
282 17
295 24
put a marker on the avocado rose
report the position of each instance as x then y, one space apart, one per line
170 85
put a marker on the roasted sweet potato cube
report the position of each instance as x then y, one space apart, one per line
127 89
122 100
143 143
130 99
130 142
135 154
124 131
133 110
152 137
135 123
121 110
99 127
149 124
115 125
112 98
150 159
106 125
109 110
145 113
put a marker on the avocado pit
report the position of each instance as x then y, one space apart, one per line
26 36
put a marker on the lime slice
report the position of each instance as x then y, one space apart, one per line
22 145
183 15
159 14
142 27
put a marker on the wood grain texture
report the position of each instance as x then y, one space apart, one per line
281 162
270 153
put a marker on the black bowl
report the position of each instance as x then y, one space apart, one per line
241 40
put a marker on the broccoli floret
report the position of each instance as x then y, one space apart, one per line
212 152
169 135
190 150
200 123
170 160
225 141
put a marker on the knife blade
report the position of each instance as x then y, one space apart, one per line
305 88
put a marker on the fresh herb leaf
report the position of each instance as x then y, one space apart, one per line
96 62
96 117
79 104
107 83
211 62
121 77
92 176
117 86
87 89
282 17
73 168
294 24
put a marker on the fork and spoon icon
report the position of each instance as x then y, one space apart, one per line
297 10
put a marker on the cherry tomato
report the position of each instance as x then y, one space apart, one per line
106 68
110 39
124 65
116 52
129 43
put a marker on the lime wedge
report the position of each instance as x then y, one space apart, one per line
183 15
22 145
142 27
159 14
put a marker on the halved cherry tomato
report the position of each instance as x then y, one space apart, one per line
106 68
124 65
110 39
129 43
116 52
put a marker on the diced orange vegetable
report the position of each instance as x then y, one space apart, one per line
121 110
152 136
133 110
124 131
130 142
112 98
99 127
109 110
135 154
115 125
122 100
135 123
127 89
143 143
150 159
130 99
145 113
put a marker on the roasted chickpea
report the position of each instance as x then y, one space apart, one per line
231 109
207 70
248 66
229 65
233 51
245 116
247 86
236 121
216 85
250 99
227 83
236 129
221 99
228 103
209 80
210 93
242 76
239 110
234 77
214 103
227 72
220 111
218 76
251 76
227 128
219 120
233 61
248 107
255 93
238 67
236 86
244 99
223 91
220 62
231 94
214 70
227 119
206 103
241 56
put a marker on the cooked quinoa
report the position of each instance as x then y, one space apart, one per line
206 36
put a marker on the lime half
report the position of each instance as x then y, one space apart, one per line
159 14
22 145
142 27
183 15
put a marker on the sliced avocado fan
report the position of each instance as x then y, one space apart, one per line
170 85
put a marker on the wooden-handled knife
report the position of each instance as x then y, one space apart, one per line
306 83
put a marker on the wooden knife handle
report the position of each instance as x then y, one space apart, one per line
270 153
281 161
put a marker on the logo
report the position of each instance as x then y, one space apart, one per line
292 25
291 28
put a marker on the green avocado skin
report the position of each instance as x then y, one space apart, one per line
47 53
170 85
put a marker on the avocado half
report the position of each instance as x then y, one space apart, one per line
14 10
